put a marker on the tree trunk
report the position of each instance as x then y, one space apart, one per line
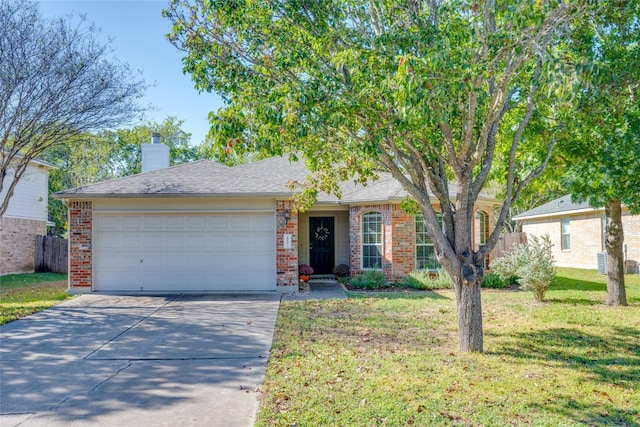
469 314
616 294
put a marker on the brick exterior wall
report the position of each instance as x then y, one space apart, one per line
18 244
286 258
355 213
80 246
585 231
398 237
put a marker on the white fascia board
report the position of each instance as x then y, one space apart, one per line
552 214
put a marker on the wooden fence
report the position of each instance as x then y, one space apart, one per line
507 242
52 254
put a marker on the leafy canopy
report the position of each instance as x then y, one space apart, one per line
417 89
424 90
604 144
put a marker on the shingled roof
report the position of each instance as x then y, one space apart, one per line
558 206
265 178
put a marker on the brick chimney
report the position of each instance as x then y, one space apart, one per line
154 155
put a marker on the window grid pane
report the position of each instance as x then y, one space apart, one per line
372 240
565 240
425 251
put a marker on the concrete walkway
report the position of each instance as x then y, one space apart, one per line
329 289
105 360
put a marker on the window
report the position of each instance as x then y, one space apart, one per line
482 227
565 238
371 240
425 251
481 230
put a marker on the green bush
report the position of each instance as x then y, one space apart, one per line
512 281
493 281
532 263
370 279
421 279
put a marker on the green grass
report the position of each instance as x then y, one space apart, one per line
25 294
394 361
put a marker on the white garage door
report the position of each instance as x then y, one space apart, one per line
184 252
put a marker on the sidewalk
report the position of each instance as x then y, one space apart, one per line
325 289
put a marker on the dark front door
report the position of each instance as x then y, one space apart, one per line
321 242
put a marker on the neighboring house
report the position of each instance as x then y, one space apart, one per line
25 217
578 232
203 226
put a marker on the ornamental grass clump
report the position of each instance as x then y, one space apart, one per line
371 279
532 263
493 281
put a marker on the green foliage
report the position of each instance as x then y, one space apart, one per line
420 92
422 279
370 279
493 281
603 145
430 92
532 263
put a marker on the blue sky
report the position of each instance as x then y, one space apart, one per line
137 30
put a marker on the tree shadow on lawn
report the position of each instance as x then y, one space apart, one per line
613 358
590 414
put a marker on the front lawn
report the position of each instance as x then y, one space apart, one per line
394 361
24 294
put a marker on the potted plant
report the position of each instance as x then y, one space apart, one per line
305 271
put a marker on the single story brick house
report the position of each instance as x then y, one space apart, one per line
25 217
203 226
578 232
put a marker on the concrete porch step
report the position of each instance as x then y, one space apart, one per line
322 279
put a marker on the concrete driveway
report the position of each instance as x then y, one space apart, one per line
105 360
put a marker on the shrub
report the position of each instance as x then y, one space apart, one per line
512 281
422 279
532 263
371 279
494 281
305 269
341 270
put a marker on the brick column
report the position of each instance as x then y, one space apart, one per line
286 258
404 245
80 246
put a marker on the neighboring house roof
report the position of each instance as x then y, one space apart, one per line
560 206
38 162
265 178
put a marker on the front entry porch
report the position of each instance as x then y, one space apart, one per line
323 239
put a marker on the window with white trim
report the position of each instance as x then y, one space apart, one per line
425 251
565 234
371 237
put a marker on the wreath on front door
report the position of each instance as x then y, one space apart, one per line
322 233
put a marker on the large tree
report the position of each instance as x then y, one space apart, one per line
425 90
604 145
56 82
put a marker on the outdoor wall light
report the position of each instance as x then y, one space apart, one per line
287 216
